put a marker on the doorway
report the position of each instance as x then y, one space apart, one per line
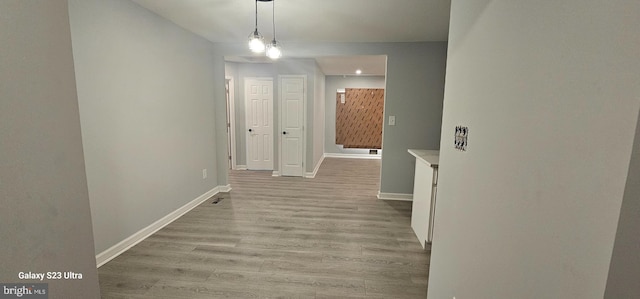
231 132
292 136
259 117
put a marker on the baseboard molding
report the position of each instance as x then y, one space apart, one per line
352 156
223 189
275 173
241 167
115 250
310 175
395 196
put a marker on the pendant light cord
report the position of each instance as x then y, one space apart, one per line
274 19
256 15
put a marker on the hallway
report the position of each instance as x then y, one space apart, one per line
327 237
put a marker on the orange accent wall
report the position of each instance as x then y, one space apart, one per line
359 119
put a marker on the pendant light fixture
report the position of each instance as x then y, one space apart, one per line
274 51
256 41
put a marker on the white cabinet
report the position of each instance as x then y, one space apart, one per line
424 191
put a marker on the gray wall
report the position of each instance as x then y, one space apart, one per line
45 222
146 95
625 262
414 93
231 70
318 115
334 83
550 96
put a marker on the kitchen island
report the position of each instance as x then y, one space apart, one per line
424 193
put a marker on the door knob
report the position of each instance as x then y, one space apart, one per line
250 130
284 133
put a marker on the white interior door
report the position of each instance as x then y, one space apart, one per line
292 145
259 115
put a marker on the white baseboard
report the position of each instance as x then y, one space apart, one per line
275 173
241 167
226 188
310 175
395 196
352 156
115 250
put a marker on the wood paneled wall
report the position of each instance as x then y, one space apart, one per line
359 118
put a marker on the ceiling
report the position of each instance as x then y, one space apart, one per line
313 21
370 65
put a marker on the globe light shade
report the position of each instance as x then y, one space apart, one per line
273 50
256 42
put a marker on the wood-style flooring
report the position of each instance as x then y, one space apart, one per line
281 237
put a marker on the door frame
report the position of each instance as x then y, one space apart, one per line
304 122
246 118
231 121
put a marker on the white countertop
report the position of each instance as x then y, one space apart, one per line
430 157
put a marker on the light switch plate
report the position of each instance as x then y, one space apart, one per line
461 138
392 120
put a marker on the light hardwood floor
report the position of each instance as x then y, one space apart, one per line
281 237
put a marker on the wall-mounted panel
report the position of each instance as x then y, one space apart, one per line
359 118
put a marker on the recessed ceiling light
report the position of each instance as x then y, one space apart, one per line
358 72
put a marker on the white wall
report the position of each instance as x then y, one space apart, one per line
333 83
146 95
45 222
551 96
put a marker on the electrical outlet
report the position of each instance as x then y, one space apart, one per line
204 173
392 120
